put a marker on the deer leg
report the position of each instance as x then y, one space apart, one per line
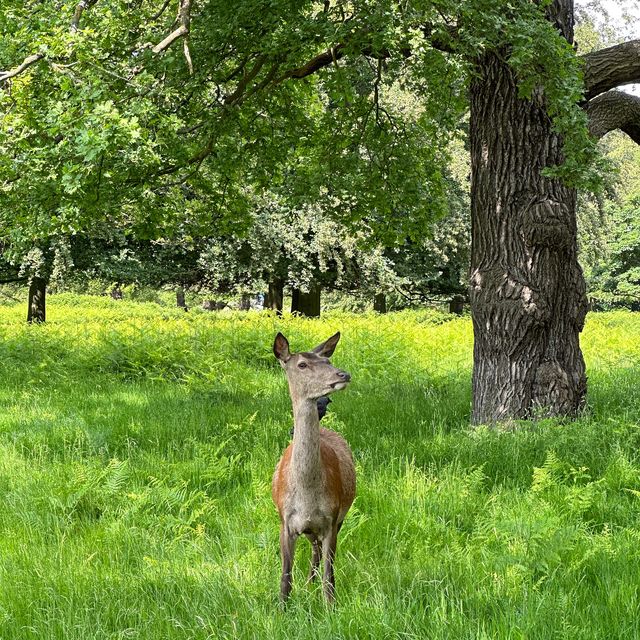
316 556
329 544
287 550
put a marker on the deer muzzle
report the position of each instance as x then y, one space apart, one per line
343 379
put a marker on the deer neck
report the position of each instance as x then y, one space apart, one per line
305 459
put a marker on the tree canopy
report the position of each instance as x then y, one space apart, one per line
149 117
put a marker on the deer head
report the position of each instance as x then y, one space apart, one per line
309 373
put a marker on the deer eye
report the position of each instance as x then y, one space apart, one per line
302 365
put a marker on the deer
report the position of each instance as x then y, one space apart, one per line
314 483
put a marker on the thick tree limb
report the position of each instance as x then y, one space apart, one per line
441 37
170 39
187 54
316 63
234 98
614 110
26 63
611 67
12 279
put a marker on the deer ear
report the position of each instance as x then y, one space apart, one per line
328 346
281 348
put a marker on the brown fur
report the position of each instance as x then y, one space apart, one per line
339 478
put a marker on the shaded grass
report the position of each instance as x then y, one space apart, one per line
136 450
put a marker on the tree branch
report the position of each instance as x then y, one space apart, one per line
170 39
441 37
611 67
316 63
184 19
32 59
160 11
80 7
233 98
26 63
187 54
614 110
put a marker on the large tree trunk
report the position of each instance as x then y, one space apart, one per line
37 299
527 290
306 304
275 296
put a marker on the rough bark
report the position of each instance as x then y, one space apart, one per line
527 291
306 303
614 110
611 67
77 14
275 296
380 303
37 300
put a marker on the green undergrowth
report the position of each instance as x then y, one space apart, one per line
136 449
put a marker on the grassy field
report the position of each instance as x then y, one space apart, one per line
136 450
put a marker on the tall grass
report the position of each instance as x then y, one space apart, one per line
136 450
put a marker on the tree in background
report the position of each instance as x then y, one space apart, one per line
615 278
436 263
302 250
